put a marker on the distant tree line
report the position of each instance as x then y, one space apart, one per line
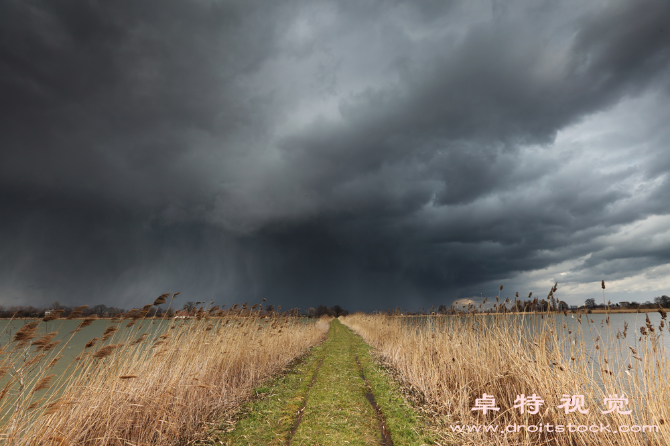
189 308
322 310
100 310
663 301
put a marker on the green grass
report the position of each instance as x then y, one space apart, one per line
405 425
268 417
336 412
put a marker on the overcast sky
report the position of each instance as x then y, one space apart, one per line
370 154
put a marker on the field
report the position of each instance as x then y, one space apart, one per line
130 386
450 362
244 377
337 395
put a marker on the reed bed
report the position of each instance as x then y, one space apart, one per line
449 361
140 385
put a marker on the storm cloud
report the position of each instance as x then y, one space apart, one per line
368 154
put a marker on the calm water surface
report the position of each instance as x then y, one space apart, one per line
593 326
72 344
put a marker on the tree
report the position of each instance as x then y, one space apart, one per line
590 303
190 306
338 310
322 309
115 311
100 309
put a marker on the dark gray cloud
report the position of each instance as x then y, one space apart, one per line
371 154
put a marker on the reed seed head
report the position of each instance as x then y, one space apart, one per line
26 333
34 404
44 340
161 299
43 383
55 406
138 340
104 351
77 312
86 322
109 332
50 345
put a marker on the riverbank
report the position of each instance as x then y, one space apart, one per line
137 381
527 313
460 366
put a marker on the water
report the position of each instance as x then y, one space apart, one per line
617 324
592 339
621 374
593 326
72 344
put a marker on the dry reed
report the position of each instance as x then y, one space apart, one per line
135 389
448 362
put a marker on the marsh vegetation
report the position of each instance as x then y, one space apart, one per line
448 362
140 380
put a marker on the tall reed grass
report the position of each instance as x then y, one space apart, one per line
450 361
131 386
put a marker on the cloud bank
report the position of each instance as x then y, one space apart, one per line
367 154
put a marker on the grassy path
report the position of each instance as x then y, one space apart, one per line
335 396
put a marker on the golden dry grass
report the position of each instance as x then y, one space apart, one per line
450 361
157 389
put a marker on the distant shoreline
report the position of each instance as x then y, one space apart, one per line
580 311
621 310
594 311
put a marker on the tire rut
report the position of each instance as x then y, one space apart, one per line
301 411
369 395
